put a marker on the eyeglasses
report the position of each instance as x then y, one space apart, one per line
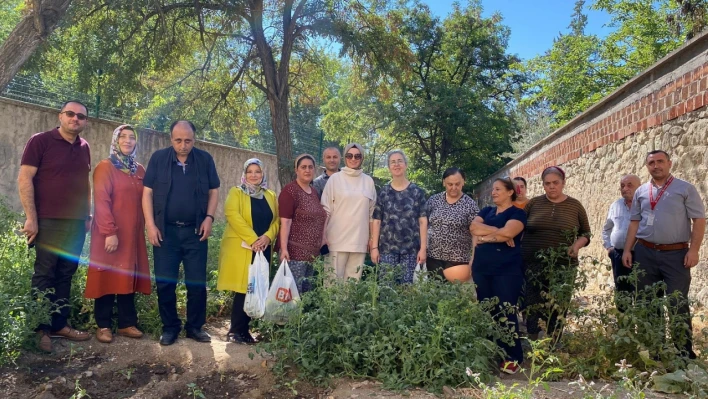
350 156
72 114
397 162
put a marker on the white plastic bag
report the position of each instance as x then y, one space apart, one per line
419 274
283 295
258 285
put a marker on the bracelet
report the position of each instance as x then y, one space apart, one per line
374 248
212 218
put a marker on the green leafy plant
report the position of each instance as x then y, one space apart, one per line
424 334
79 392
194 391
127 373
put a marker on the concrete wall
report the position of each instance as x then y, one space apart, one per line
22 120
663 108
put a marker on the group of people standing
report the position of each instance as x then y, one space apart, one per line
338 214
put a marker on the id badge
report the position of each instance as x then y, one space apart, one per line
650 219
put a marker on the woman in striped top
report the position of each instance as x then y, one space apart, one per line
556 229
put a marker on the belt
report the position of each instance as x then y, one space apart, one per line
663 247
181 224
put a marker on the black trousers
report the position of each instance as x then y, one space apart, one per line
537 305
239 319
508 290
58 246
667 266
127 315
181 245
621 277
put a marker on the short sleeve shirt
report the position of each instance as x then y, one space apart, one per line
449 237
399 212
308 220
497 258
672 215
61 184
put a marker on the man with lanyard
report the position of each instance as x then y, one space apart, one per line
661 216
56 196
614 233
331 158
179 200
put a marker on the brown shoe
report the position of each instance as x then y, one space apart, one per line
44 342
130 332
104 335
71 334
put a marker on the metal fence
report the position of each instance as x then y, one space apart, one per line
33 91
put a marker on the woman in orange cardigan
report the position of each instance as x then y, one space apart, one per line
251 212
118 262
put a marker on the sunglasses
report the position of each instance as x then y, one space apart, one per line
350 156
72 114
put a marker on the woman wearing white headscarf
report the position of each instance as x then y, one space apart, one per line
349 199
251 212
118 262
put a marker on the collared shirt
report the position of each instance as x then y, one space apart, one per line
614 233
320 182
61 184
672 215
182 198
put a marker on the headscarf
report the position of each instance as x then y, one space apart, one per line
358 147
124 163
254 191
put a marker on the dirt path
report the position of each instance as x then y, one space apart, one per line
142 369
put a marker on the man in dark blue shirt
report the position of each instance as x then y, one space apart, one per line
179 200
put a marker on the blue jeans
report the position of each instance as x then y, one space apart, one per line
181 245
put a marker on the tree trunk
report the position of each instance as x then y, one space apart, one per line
280 121
29 33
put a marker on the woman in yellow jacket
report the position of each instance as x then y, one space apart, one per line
252 215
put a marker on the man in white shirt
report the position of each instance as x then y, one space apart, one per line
614 233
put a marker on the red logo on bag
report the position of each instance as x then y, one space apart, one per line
283 295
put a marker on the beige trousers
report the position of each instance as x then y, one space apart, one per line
344 265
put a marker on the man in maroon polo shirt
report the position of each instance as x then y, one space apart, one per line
55 193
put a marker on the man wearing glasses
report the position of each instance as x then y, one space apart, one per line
55 193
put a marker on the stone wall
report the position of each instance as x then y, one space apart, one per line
663 108
22 120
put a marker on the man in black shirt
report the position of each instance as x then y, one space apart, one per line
179 200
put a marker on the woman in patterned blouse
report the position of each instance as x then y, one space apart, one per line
450 215
400 227
555 221
302 222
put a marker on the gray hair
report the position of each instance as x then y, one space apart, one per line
394 152
331 149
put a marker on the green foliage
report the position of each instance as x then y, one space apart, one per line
20 313
424 334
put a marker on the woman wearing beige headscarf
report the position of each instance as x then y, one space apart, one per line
349 199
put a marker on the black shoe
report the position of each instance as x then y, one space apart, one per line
245 338
168 338
198 335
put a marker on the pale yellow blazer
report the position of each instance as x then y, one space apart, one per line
234 259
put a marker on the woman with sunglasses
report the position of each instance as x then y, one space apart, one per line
349 199
450 215
302 222
497 268
399 236
118 261
556 222
251 212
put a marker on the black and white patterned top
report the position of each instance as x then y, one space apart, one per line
399 212
449 236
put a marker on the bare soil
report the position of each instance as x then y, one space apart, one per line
142 369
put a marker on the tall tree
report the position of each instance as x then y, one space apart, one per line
41 17
449 83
